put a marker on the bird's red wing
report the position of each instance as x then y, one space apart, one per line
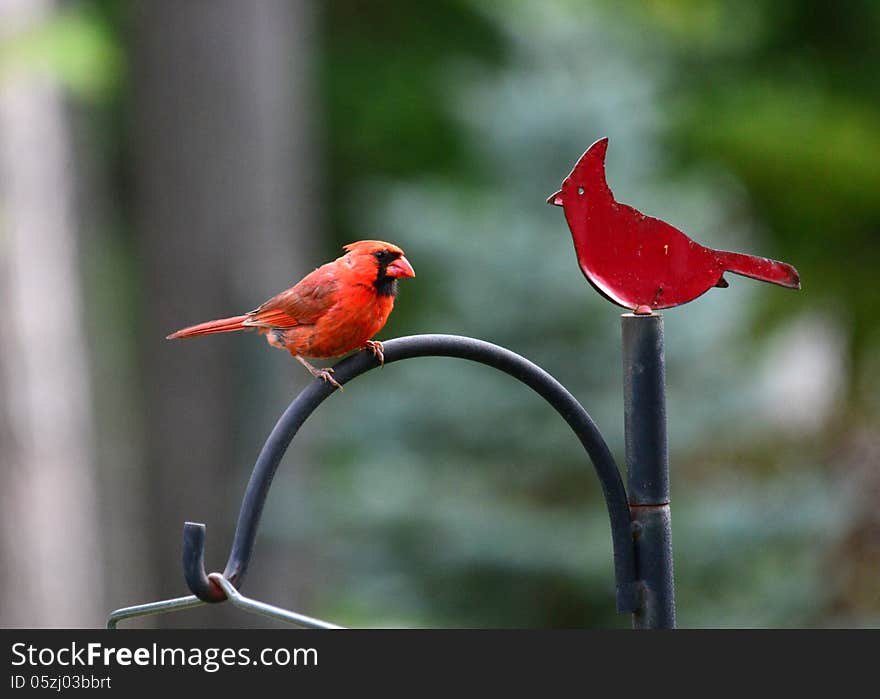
303 304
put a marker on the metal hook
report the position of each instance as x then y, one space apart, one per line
208 590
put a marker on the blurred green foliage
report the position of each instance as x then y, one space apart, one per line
75 46
792 108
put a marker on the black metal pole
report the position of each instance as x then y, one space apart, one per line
647 463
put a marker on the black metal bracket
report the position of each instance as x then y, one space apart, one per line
629 590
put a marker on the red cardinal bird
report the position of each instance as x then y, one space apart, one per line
639 262
333 310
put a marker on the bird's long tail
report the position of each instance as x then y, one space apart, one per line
761 268
223 325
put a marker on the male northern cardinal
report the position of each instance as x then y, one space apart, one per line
333 310
639 262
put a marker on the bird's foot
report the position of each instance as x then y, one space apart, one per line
376 348
323 374
327 375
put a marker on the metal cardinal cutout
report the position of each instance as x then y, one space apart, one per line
640 262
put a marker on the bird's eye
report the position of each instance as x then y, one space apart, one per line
580 191
385 256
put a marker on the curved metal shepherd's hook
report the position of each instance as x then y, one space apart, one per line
628 588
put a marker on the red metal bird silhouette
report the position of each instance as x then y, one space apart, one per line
640 262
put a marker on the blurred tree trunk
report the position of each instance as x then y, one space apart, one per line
50 543
224 198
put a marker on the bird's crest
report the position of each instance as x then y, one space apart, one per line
368 247
589 172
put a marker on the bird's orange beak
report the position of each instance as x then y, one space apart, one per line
555 199
400 268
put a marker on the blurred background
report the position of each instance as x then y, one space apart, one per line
163 163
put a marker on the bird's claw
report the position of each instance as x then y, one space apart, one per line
375 348
327 375
323 374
